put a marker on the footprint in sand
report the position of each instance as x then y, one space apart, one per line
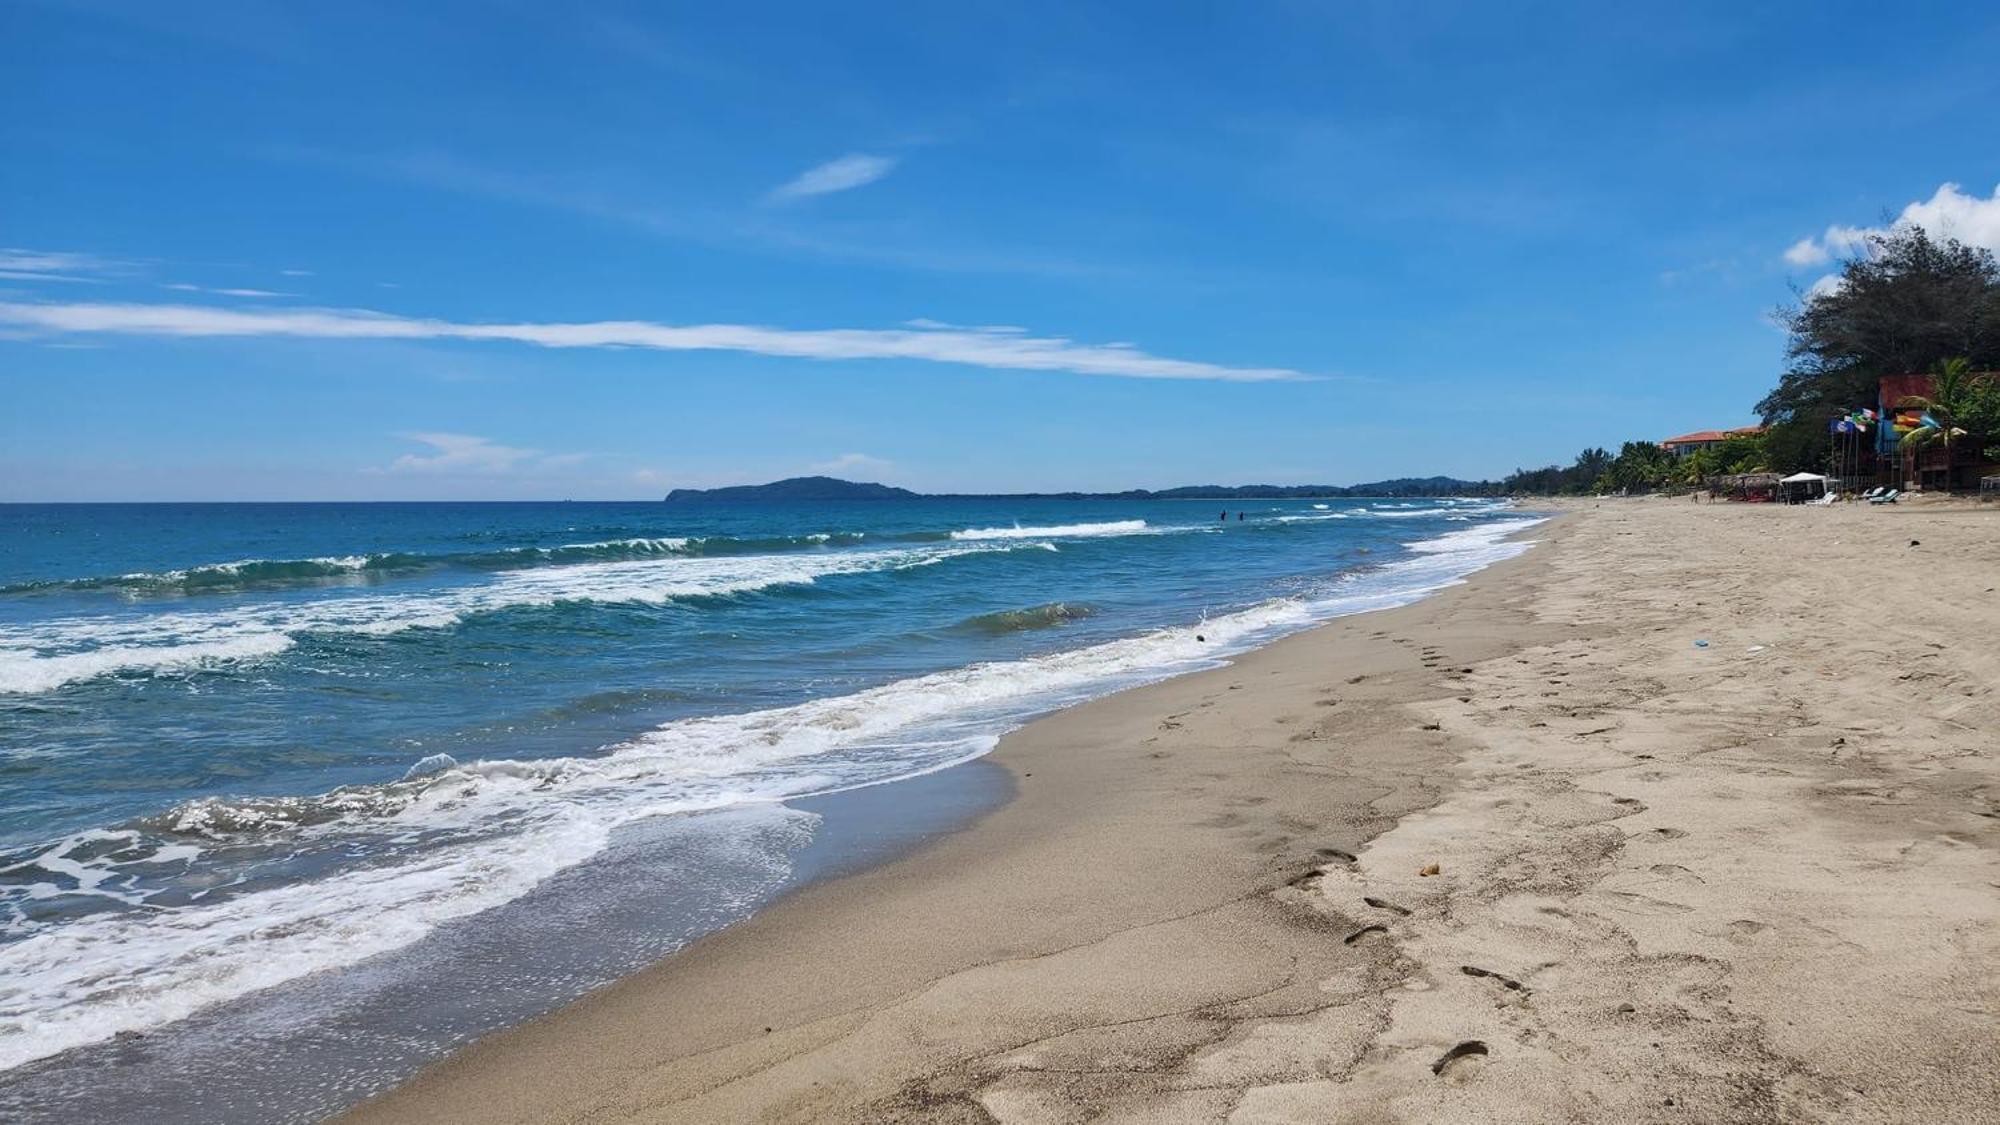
1505 982
1364 932
1336 853
1748 927
1668 833
1467 1049
1384 904
1631 903
1676 872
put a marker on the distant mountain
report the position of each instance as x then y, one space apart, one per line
1403 486
828 488
1424 486
795 488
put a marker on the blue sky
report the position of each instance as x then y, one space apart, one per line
269 251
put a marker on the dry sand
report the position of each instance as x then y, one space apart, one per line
1752 881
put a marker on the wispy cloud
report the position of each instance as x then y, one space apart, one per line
1003 350
184 287
18 264
844 174
460 453
852 463
946 326
1948 213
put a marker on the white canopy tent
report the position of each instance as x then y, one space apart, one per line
1802 488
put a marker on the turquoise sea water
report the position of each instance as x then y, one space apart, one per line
243 747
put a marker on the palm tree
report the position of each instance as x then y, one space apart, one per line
1951 397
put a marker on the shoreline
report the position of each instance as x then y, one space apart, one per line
1750 880
1014 835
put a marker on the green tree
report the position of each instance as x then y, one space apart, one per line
1697 467
1743 453
1981 414
1590 464
1640 466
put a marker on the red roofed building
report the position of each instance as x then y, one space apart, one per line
1686 444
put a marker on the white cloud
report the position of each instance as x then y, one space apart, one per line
852 463
1825 286
974 348
295 273
1968 218
462 453
1806 252
848 172
1948 213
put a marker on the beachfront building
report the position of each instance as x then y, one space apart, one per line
1932 467
1689 444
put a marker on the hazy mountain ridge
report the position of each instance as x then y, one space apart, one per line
830 488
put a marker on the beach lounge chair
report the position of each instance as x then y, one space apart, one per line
1887 496
1874 492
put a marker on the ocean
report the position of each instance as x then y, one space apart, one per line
296 798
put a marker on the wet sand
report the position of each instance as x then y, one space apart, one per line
1749 881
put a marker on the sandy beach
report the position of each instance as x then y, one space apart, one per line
1524 851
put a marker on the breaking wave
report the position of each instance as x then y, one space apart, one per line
1059 531
249 574
1022 620
50 654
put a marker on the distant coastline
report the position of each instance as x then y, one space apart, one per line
833 489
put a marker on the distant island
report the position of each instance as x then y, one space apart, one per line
794 488
797 489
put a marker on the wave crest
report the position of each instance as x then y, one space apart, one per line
249 574
1021 620
1058 531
